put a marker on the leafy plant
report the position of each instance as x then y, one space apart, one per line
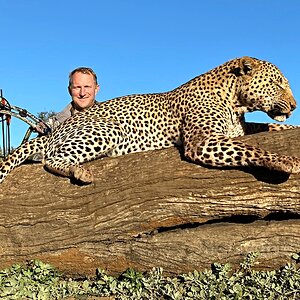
45 115
37 280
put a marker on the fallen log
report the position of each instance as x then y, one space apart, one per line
153 209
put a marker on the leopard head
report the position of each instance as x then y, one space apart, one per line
263 87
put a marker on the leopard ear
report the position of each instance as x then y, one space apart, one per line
247 66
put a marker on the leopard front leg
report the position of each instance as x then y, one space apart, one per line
221 151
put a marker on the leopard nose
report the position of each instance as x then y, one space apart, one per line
292 101
293 106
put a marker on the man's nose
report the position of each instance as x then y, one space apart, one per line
82 91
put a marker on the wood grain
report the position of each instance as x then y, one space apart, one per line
153 209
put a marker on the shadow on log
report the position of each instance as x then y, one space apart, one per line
153 209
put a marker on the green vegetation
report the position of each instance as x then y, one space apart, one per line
38 280
45 115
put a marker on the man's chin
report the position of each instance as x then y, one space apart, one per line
82 105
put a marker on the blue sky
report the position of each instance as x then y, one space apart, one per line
137 46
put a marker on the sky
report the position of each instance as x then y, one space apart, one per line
137 46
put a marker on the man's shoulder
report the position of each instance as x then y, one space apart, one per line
64 114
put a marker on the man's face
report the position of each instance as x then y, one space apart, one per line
83 90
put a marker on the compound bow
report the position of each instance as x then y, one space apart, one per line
7 111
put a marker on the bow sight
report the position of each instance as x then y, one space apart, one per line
7 111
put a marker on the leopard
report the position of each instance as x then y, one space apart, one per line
203 116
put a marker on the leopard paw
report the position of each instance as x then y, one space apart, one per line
83 175
296 167
290 165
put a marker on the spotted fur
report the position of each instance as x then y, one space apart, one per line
203 115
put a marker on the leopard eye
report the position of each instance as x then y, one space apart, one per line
277 83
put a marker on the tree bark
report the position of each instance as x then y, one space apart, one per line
153 209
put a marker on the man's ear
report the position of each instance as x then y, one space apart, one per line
69 90
247 66
97 89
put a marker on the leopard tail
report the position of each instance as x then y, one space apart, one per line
22 153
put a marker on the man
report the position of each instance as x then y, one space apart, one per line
83 88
